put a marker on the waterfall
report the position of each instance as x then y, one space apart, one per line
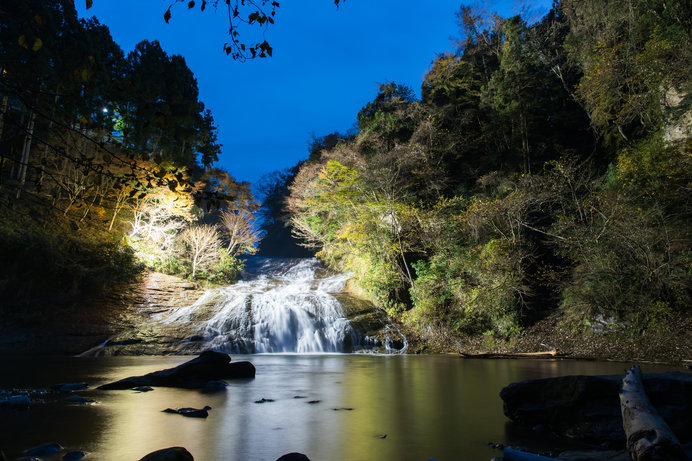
280 305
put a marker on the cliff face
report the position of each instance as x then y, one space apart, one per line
86 322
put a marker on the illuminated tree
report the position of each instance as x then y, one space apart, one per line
240 230
201 246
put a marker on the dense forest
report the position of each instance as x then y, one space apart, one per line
545 171
106 163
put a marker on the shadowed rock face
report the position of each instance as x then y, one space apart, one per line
195 374
587 408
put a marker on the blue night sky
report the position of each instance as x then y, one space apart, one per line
327 64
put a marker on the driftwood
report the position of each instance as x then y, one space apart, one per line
648 436
515 355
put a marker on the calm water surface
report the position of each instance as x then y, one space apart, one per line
439 407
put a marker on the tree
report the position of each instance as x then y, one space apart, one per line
240 230
201 246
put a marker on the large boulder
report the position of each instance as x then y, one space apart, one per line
169 454
293 457
195 374
587 408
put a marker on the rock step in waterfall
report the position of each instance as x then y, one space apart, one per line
280 305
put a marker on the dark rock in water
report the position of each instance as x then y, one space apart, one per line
74 455
74 398
190 412
169 454
312 402
216 385
263 400
143 389
587 408
195 374
294 457
45 449
69 387
342 409
16 402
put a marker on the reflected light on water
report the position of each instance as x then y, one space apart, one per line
438 407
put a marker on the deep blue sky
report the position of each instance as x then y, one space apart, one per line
327 64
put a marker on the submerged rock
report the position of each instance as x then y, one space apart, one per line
190 412
45 449
69 387
169 454
74 455
587 408
74 398
195 374
293 457
16 402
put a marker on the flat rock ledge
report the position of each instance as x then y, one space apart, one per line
194 374
587 408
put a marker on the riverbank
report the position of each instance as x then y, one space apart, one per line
671 344
72 328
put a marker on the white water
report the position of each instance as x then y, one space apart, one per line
281 305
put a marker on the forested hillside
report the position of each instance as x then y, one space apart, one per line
106 163
545 171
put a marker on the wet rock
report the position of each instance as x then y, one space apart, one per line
124 342
293 457
69 387
381 436
45 449
143 388
216 385
74 455
74 398
342 409
190 412
263 400
587 408
194 374
16 402
169 454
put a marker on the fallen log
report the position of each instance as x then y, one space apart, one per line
514 355
648 436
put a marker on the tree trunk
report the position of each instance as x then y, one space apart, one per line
25 154
648 436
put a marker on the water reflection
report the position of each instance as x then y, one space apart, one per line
427 406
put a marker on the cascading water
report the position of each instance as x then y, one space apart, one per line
280 305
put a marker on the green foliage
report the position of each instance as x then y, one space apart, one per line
528 180
227 269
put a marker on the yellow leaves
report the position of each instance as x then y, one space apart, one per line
23 41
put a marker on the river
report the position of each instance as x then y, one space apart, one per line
370 407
